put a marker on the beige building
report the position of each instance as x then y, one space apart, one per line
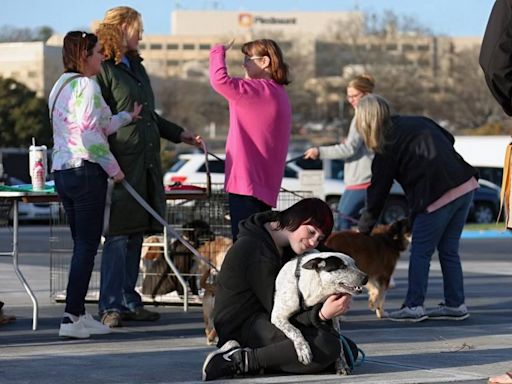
332 43
250 23
35 64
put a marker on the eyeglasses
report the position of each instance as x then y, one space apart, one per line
355 96
249 58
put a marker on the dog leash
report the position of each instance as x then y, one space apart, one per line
281 188
352 363
159 218
108 204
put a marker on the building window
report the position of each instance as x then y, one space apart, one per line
391 47
155 46
204 47
423 48
172 47
188 47
407 47
173 63
142 46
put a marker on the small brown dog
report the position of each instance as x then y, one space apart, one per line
376 255
214 251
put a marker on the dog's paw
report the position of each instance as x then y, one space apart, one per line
343 371
304 353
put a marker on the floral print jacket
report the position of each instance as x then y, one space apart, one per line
81 123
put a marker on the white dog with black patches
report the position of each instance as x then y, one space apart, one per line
306 281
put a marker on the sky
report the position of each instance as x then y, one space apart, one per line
448 17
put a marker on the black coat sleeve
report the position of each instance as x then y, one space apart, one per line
383 173
168 129
496 54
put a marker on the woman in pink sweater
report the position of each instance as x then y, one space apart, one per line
259 127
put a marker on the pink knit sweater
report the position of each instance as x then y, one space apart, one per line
259 131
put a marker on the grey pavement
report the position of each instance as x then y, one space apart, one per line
173 349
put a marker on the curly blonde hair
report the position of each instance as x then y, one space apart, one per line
112 36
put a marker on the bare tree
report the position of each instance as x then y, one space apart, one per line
13 34
467 102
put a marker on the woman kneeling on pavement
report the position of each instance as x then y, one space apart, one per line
245 296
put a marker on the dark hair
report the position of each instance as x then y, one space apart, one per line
310 211
269 48
76 43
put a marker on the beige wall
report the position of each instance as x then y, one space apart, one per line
208 23
34 64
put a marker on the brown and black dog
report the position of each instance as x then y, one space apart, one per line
157 276
214 251
376 255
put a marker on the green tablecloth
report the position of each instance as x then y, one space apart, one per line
26 188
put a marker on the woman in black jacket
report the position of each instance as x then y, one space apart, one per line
439 186
245 296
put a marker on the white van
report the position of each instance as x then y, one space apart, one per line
485 153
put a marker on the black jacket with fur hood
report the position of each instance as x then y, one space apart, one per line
246 282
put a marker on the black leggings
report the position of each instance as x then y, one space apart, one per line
275 352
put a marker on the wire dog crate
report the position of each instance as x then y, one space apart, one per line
203 222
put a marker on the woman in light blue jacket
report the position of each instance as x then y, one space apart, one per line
358 159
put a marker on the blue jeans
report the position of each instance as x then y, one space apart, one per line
82 191
119 272
440 229
241 207
351 203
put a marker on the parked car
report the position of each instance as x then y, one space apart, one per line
486 203
32 211
396 203
191 169
484 209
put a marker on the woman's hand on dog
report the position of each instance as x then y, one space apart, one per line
335 305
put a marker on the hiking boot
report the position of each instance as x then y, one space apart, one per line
140 314
227 361
111 319
71 326
408 314
94 326
443 312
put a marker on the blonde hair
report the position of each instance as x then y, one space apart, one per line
373 120
364 83
111 35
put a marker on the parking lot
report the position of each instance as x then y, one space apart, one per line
172 350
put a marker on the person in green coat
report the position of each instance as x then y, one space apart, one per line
123 81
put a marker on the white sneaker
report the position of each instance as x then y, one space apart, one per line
93 326
73 328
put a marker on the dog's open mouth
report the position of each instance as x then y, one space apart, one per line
352 289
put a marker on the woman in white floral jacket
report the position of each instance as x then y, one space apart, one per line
82 163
